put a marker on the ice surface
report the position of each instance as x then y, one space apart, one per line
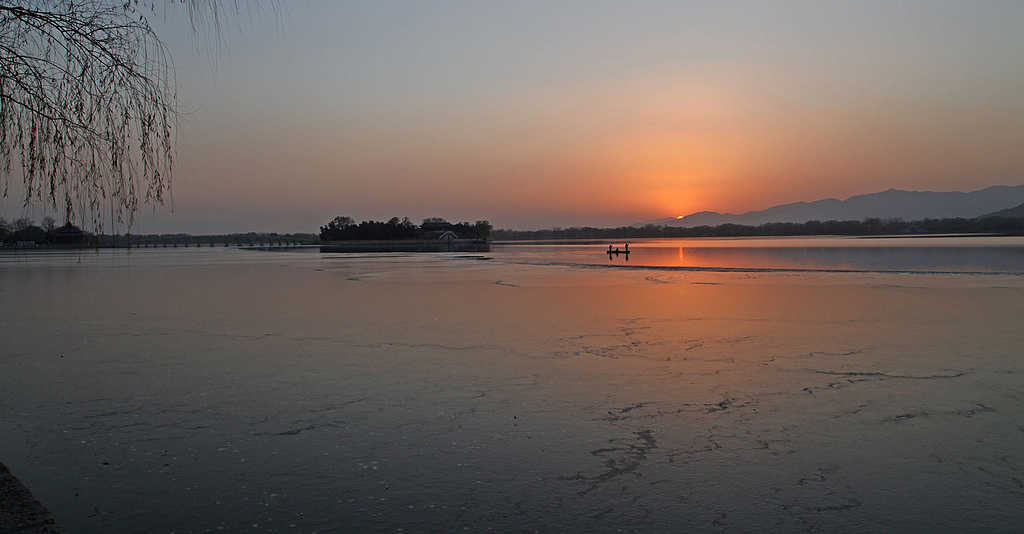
188 391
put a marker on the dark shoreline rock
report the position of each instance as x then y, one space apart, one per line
20 512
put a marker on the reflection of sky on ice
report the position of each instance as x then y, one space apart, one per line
191 390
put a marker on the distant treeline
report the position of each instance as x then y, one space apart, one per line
346 229
238 239
25 231
986 225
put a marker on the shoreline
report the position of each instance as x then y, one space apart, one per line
20 511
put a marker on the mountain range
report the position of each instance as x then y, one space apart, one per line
891 204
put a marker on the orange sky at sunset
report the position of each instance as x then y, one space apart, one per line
541 114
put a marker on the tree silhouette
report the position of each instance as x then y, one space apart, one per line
88 114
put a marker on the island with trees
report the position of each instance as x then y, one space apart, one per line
434 234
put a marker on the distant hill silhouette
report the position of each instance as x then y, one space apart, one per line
1017 211
891 204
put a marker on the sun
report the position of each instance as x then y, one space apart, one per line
680 217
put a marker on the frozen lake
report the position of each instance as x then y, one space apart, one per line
806 384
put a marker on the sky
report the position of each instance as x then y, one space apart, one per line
540 114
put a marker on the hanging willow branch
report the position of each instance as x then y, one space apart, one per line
87 107
88 111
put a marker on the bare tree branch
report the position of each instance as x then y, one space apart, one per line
88 111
